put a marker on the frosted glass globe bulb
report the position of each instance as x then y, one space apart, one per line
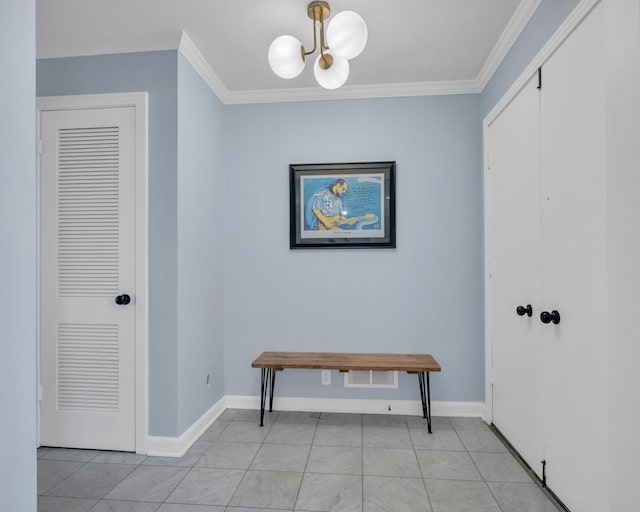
333 77
347 34
285 57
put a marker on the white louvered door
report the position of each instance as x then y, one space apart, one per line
87 252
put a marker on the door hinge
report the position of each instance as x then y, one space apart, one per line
39 146
39 393
544 473
539 78
488 161
491 376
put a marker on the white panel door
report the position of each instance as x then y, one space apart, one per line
87 252
574 267
513 180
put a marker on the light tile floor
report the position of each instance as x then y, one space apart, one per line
316 462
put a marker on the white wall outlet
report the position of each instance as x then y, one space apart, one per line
326 377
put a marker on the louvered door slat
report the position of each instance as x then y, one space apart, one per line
88 193
85 352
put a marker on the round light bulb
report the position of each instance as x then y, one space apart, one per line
347 34
285 57
333 77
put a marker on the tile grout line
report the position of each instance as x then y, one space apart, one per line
304 470
495 498
83 463
252 460
116 485
424 482
188 468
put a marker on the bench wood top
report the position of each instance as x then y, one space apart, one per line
342 361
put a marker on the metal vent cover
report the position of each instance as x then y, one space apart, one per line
371 379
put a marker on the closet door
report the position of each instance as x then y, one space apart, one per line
573 268
87 259
513 228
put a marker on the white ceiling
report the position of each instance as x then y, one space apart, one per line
415 47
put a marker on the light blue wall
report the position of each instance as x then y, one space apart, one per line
155 72
547 18
18 259
201 167
424 296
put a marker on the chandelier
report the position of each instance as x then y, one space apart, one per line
344 39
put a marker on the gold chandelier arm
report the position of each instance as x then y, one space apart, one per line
323 44
326 61
318 11
314 42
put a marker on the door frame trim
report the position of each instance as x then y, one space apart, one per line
138 100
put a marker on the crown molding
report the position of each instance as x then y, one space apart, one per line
514 28
576 16
55 49
206 72
352 92
202 67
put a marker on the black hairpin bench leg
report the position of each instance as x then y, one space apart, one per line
264 382
267 383
273 383
425 395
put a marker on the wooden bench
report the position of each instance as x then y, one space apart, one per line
272 362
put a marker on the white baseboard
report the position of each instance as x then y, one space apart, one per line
161 446
486 414
355 405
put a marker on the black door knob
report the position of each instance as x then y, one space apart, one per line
553 317
522 310
123 300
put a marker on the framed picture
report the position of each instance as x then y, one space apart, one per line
342 205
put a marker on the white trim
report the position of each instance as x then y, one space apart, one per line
206 72
352 92
165 446
202 67
85 101
488 311
138 100
516 25
160 446
142 272
356 405
107 46
38 259
568 26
